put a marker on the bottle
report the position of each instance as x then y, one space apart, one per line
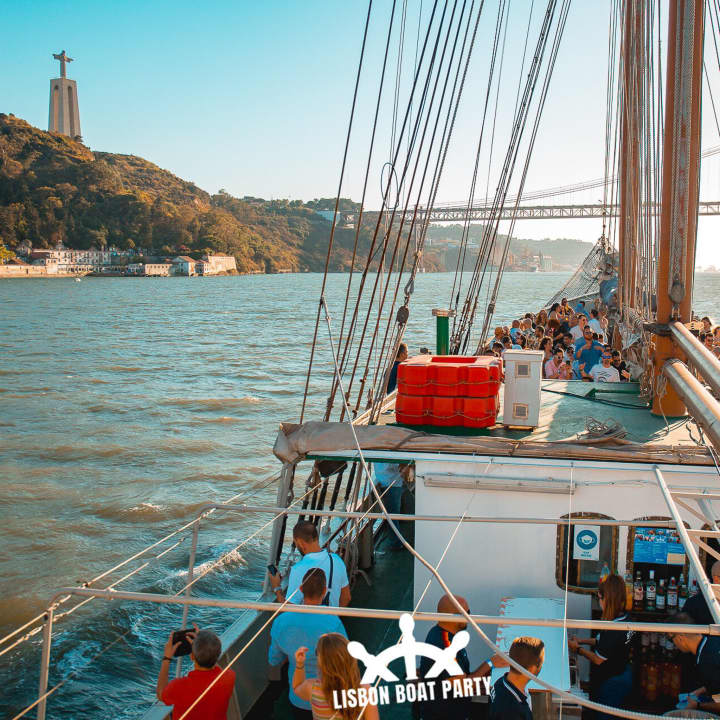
672 596
628 591
695 589
639 592
682 592
660 597
644 661
604 573
650 592
651 681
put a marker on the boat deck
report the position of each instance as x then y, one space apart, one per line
565 408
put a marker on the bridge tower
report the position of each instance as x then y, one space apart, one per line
64 115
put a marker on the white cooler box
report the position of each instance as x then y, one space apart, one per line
523 379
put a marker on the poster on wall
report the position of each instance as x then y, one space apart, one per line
659 546
586 545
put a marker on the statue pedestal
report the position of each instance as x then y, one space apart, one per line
64 115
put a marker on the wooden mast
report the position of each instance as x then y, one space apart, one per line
633 87
680 189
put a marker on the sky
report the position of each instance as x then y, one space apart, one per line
255 97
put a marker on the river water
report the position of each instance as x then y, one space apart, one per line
127 403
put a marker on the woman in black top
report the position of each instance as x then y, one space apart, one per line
610 673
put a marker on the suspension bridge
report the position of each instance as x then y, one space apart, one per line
527 209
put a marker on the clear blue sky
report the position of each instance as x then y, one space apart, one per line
254 97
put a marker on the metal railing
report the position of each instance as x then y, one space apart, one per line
187 600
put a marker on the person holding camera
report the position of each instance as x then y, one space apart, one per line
204 648
293 630
305 537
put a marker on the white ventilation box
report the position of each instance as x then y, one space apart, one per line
523 380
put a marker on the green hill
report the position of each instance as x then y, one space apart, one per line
54 189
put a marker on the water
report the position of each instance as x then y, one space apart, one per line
127 403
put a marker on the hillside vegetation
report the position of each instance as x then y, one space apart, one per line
53 189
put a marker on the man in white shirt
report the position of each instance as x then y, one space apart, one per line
306 541
604 370
577 330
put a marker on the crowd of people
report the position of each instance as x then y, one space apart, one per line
575 342
320 667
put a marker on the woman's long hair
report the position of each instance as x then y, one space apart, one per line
612 591
338 671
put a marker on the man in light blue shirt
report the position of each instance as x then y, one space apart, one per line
292 630
306 540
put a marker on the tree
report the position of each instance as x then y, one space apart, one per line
5 254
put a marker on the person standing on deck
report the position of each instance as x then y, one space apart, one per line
390 483
441 636
402 355
293 630
337 670
595 322
508 700
610 671
183 692
306 540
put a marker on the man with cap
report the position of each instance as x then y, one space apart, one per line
706 649
604 370
696 606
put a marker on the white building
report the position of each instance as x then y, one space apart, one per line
184 265
157 269
214 264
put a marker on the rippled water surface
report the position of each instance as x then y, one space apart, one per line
127 403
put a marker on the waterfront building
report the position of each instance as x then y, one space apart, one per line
156 269
184 265
214 264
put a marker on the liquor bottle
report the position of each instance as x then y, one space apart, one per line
695 589
651 682
650 592
672 596
644 661
628 591
676 674
604 573
666 668
682 592
639 592
660 597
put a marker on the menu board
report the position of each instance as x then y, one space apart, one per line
660 546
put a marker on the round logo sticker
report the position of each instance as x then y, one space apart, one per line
587 539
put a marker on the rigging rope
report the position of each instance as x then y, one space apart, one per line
564 695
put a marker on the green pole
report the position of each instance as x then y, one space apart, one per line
442 331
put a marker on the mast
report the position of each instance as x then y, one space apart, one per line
680 189
633 87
